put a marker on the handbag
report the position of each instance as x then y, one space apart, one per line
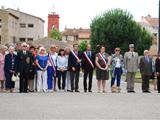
15 78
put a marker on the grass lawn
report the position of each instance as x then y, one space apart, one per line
137 80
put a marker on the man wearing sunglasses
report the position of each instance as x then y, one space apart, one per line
24 67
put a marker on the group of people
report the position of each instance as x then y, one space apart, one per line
43 70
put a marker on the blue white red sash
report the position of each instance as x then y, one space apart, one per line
88 59
102 58
52 62
75 55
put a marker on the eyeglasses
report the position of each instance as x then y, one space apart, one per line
117 50
24 46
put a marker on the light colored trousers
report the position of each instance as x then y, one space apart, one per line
42 81
68 81
130 80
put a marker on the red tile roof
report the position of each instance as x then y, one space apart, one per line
151 21
81 33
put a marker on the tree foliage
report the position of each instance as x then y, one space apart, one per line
82 46
116 28
55 34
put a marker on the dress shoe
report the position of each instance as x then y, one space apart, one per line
90 91
77 91
131 91
146 91
71 90
85 91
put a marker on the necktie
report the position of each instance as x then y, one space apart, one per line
89 54
147 59
24 52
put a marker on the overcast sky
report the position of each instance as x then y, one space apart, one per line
78 13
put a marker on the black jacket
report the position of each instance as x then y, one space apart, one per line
8 63
157 65
85 64
24 62
72 61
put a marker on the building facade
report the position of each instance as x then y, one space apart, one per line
16 26
151 25
75 35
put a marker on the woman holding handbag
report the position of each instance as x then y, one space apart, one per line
10 69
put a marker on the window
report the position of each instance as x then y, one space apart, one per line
22 25
30 25
30 39
22 39
14 39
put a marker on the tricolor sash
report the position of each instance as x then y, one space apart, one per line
88 59
75 55
52 62
102 58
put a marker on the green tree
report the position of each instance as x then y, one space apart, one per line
116 28
82 46
55 34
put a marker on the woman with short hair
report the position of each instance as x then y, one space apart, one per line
42 65
2 62
10 68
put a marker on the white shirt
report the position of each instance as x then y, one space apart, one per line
118 63
54 58
62 62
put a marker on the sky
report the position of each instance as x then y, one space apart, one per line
79 13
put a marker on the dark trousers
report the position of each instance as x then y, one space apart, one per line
9 83
63 76
23 82
86 73
74 76
145 82
117 75
158 83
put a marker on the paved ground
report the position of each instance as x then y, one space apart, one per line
78 106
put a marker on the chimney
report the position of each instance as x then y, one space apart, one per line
65 27
2 7
18 9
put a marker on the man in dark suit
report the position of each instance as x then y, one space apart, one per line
88 65
146 71
157 66
24 60
74 63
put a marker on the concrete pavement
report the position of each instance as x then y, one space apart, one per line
81 106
